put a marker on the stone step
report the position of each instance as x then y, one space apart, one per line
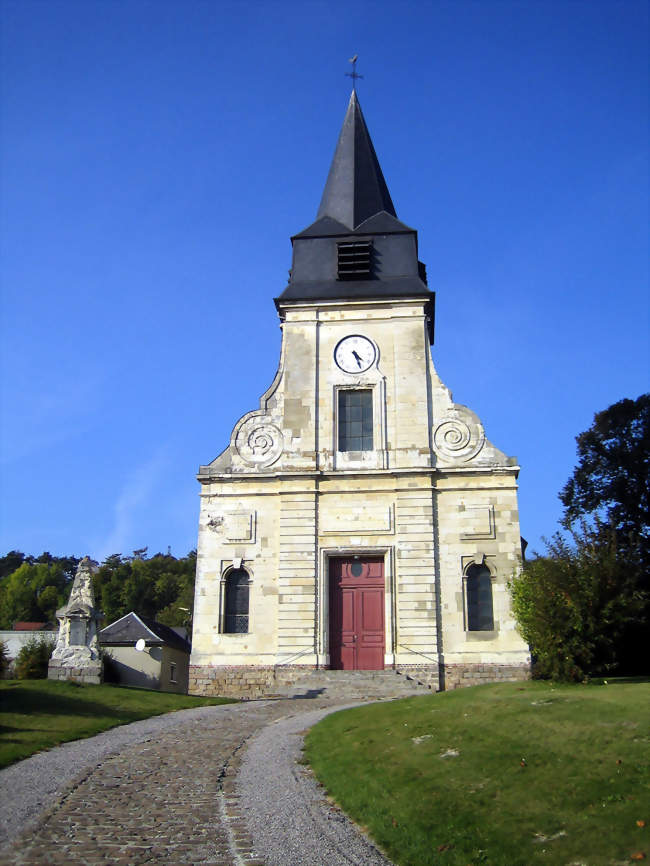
351 685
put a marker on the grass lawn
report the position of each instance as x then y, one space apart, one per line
39 714
507 775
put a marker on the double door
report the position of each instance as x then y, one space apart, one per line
356 597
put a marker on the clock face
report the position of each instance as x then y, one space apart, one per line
355 354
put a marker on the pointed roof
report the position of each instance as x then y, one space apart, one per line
355 188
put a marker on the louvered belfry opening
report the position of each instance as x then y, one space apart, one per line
355 260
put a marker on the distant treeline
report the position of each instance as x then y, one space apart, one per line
161 587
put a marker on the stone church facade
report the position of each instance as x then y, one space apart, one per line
359 518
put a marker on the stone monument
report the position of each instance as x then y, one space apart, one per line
76 654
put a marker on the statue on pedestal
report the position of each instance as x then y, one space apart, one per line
76 655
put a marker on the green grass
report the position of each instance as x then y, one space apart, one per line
575 801
39 714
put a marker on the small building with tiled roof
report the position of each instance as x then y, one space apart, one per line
32 626
142 652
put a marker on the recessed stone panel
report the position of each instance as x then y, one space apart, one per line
477 522
358 517
235 526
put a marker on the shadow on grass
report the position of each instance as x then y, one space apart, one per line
6 730
25 701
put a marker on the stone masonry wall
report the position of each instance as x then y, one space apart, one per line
248 682
87 674
244 682
428 675
458 676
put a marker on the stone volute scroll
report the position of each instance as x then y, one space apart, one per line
458 435
76 654
258 441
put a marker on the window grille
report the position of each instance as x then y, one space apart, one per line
355 420
236 603
355 260
480 616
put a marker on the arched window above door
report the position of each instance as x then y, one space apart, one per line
478 589
235 620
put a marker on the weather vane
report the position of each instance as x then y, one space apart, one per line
354 74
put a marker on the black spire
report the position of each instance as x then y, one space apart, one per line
356 248
355 188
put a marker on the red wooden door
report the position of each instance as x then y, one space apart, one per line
357 613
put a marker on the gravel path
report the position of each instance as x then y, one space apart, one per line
171 789
287 813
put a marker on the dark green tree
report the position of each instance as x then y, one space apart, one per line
180 609
612 481
160 587
612 478
108 583
11 561
35 589
575 605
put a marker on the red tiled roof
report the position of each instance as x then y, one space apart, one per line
29 626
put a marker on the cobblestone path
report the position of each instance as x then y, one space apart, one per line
169 799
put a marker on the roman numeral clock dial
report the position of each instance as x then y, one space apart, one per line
355 354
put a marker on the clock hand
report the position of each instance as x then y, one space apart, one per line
358 357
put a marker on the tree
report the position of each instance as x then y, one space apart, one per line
613 472
576 605
33 588
49 601
36 588
10 562
612 481
180 610
161 587
18 597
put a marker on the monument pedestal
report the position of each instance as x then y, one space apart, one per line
76 655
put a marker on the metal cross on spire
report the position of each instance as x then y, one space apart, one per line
354 74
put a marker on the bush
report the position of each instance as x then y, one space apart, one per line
575 605
33 658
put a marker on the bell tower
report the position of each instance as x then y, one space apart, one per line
359 518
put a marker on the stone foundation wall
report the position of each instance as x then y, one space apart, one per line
428 675
249 682
457 676
87 674
237 681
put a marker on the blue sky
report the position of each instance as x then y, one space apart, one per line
157 156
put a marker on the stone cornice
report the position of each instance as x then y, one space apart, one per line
317 475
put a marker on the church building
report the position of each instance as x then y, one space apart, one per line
359 519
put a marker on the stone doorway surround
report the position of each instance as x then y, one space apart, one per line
323 605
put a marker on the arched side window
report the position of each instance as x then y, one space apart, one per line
235 620
480 616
